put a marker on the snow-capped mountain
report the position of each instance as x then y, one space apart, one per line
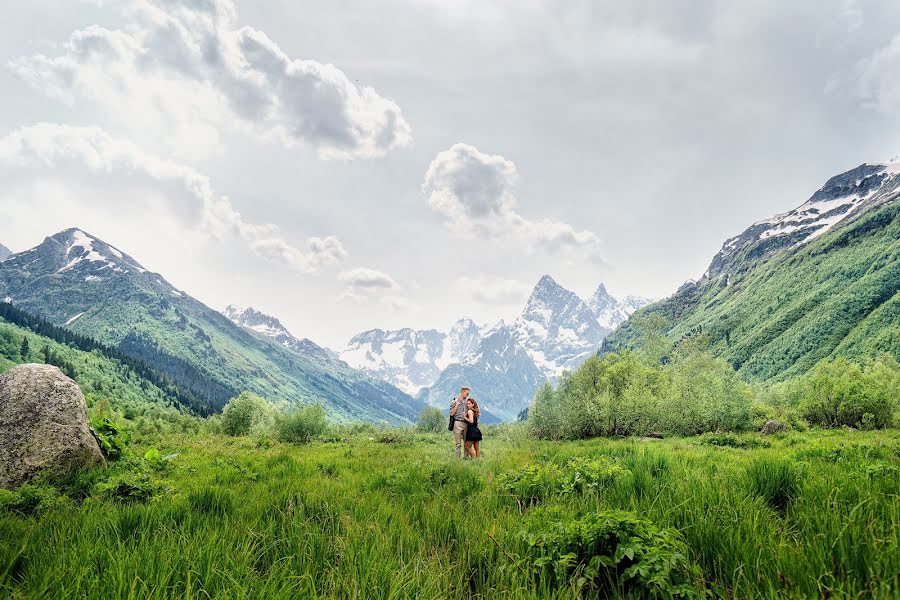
556 331
408 358
557 328
269 326
501 373
612 312
841 196
4 252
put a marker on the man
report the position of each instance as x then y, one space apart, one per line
458 410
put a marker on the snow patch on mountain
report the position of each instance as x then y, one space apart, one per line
4 252
841 197
268 326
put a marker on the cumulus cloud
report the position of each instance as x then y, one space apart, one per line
189 66
475 193
46 150
493 290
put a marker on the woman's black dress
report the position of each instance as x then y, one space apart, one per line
473 434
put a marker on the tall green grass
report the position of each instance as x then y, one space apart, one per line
814 514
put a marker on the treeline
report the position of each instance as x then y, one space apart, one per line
185 375
40 326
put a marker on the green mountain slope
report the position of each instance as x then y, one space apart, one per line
76 280
100 377
800 287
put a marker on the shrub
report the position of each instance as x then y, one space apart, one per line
838 393
431 420
112 437
30 500
302 424
613 551
158 462
583 474
532 483
245 414
624 394
729 440
776 481
130 487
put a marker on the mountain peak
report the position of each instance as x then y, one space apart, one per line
257 321
74 252
4 252
840 199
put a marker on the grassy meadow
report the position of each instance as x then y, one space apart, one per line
371 513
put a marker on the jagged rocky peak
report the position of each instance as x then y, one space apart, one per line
77 255
463 339
250 318
610 311
841 197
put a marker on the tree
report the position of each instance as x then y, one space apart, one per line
24 350
248 412
431 420
302 424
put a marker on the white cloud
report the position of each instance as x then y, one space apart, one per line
475 193
46 152
493 290
188 67
364 284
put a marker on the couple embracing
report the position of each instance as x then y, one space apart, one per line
464 413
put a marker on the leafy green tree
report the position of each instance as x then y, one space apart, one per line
247 413
838 392
302 424
24 350
431 420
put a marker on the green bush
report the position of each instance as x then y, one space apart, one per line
113 438
776 481
729 440
31 499
431 420
613 553
838 393
625 394
584 474
247 413
579 475
130 487
302 424
531 483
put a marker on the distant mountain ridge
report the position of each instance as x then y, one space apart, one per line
266 325
76 280
505 363
816 282
408 358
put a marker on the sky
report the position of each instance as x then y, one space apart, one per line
348 165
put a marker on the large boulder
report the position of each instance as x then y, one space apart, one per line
43 425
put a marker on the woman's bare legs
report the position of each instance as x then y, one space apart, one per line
476 446
469 450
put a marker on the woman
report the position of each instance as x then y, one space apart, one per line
473 434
